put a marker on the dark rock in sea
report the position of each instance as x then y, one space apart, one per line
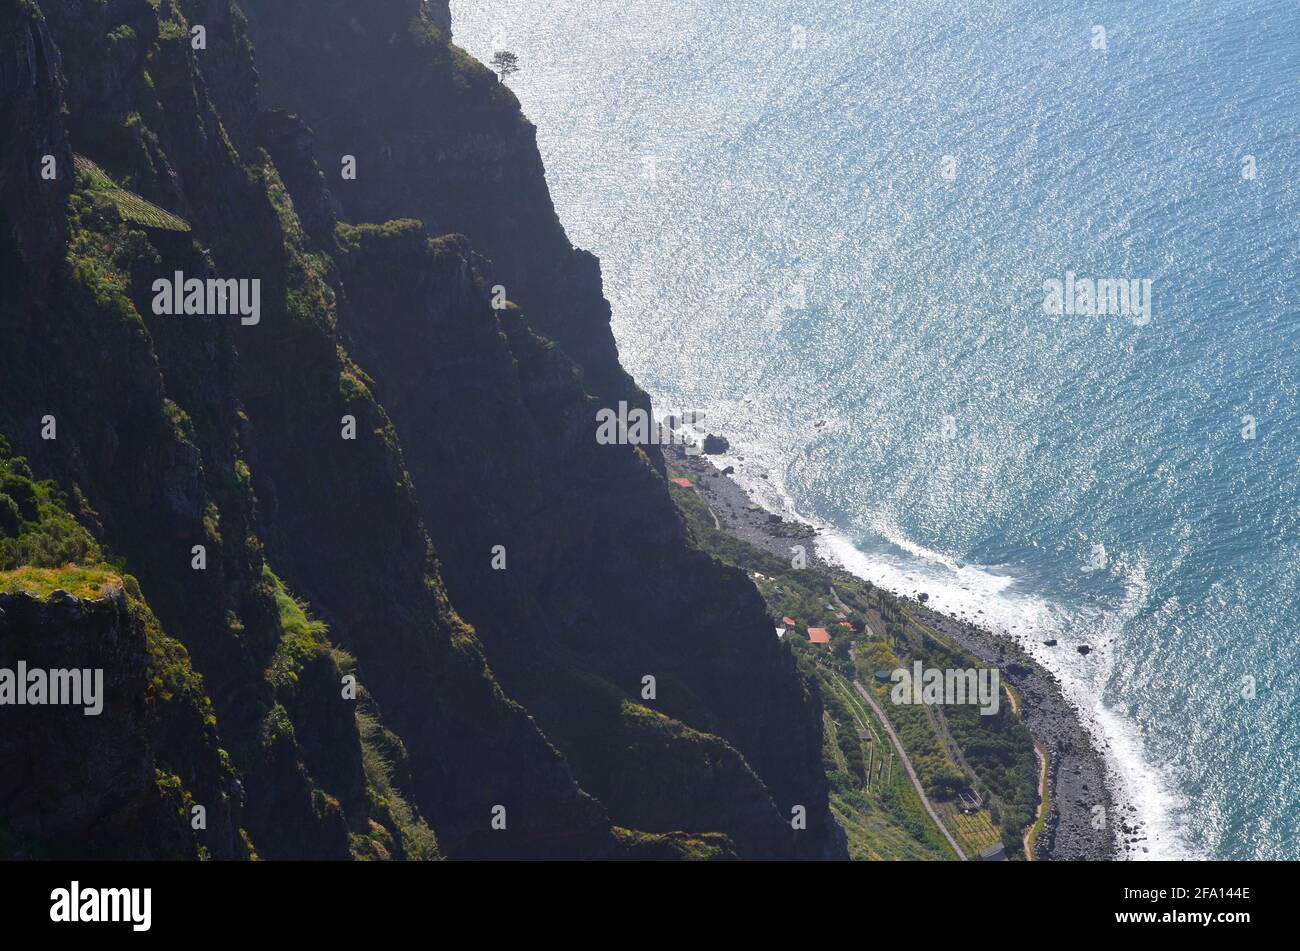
1050 642
1084 649
715 445
728 470
773 519
923 597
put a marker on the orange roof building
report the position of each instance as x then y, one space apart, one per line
818 635
684 483
788 621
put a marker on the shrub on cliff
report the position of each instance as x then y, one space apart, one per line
34 527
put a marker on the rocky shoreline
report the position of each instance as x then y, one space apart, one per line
1077 775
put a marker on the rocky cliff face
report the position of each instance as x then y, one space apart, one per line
159 418
594 585
97 781
304 455
30 94
438 138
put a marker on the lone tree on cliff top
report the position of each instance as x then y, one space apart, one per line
505 63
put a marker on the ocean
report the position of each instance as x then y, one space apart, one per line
833 228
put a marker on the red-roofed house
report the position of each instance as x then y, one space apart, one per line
788 621
818 635
684 483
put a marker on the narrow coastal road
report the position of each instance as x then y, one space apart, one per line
716 524
700 493
1042 800
907 764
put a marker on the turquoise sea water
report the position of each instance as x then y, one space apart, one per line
784 244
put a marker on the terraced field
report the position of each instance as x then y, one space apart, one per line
129 205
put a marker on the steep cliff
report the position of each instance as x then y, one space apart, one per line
437 137
498 425
571 561
122 782
343 706
159 417
109 740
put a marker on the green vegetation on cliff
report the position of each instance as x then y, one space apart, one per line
130 206
148 458
291 661
155 708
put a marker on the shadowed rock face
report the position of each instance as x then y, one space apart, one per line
602 585
29 98
183 431
167 424
498 426
100 785
438 138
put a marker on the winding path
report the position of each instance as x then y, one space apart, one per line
907 764
1042 801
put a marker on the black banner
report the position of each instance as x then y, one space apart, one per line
225 900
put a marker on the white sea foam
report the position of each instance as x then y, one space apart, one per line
994 598
810 178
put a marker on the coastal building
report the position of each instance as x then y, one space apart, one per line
788 621
684 483
818 635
